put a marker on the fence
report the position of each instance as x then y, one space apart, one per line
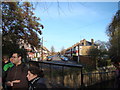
72 76
62 75
92 78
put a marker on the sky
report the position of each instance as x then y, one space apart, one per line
67 23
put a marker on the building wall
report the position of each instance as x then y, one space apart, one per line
87 61
84 50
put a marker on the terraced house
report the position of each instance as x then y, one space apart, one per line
80 50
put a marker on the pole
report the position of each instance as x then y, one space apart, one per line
82 84
78 54
42 48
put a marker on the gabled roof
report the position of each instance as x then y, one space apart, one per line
81 43
45 49
88 43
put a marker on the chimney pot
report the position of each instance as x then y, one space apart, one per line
92 41
84 42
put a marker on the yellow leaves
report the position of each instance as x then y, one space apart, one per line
27 4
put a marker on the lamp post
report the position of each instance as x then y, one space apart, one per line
42 49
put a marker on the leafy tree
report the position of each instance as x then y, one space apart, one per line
103 53
103 47
100 55
52 50
19 22
94 53
113 31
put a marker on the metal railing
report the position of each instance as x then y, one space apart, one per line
61 75
92 78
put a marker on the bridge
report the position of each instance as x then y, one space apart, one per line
61 75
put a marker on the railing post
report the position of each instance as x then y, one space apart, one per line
50 73
82 84
63 75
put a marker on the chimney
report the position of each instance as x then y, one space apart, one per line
84 42
92 41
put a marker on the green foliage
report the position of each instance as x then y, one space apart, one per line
88 68
9 48
109 62
94 53
100 55
113 31
102 63
19 22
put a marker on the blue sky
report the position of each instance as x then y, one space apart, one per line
66 23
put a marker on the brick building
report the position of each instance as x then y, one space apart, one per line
80 48
80 51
